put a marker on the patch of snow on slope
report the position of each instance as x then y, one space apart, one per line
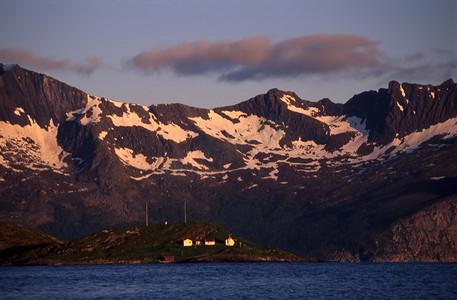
175 133
337 124
342 124
8 67
92 106
272 175
402 91
116 103
102 135
192 155
303 154
400 106
234 114
252 186
138 160
414 140
129 119
250 128
306 149
358 125
18 111
31 146
168 131
310 111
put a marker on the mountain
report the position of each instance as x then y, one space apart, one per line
145 244
373 179
18 236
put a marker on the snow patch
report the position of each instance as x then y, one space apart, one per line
102 135
250 128
402 91
337 124
116 103
400 106
92 106
18 111
168 131
138 160
272 175
190 159
413 141
310 111
31 146
8 67
234 114
342 124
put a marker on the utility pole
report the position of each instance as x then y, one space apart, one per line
147 214
185 213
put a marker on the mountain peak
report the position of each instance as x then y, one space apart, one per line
7 67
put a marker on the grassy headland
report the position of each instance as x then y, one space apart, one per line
142 245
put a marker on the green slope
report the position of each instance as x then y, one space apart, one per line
13 235
146 245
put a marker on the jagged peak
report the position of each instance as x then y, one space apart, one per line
7 67
277 93
448 82
395 84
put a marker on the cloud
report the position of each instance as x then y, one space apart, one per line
427 72
28 59
259 57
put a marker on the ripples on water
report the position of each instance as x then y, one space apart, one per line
239 281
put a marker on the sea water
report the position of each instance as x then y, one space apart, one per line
232 280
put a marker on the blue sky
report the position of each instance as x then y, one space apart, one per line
217 53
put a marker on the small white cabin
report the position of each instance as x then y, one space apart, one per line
229 241
187 242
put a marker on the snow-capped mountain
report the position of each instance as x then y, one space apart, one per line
372 179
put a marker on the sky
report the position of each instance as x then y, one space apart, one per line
211 53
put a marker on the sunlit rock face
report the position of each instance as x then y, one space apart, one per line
321 179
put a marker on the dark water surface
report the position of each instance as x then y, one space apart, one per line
236 281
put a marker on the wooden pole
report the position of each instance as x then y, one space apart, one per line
185 212
147 221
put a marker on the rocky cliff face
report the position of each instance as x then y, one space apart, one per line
428 235
320 179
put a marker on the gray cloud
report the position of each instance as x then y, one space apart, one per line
28 59
426 72
259 57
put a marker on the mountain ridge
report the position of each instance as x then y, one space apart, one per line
274 168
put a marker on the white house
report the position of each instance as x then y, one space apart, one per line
187 243
229 241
